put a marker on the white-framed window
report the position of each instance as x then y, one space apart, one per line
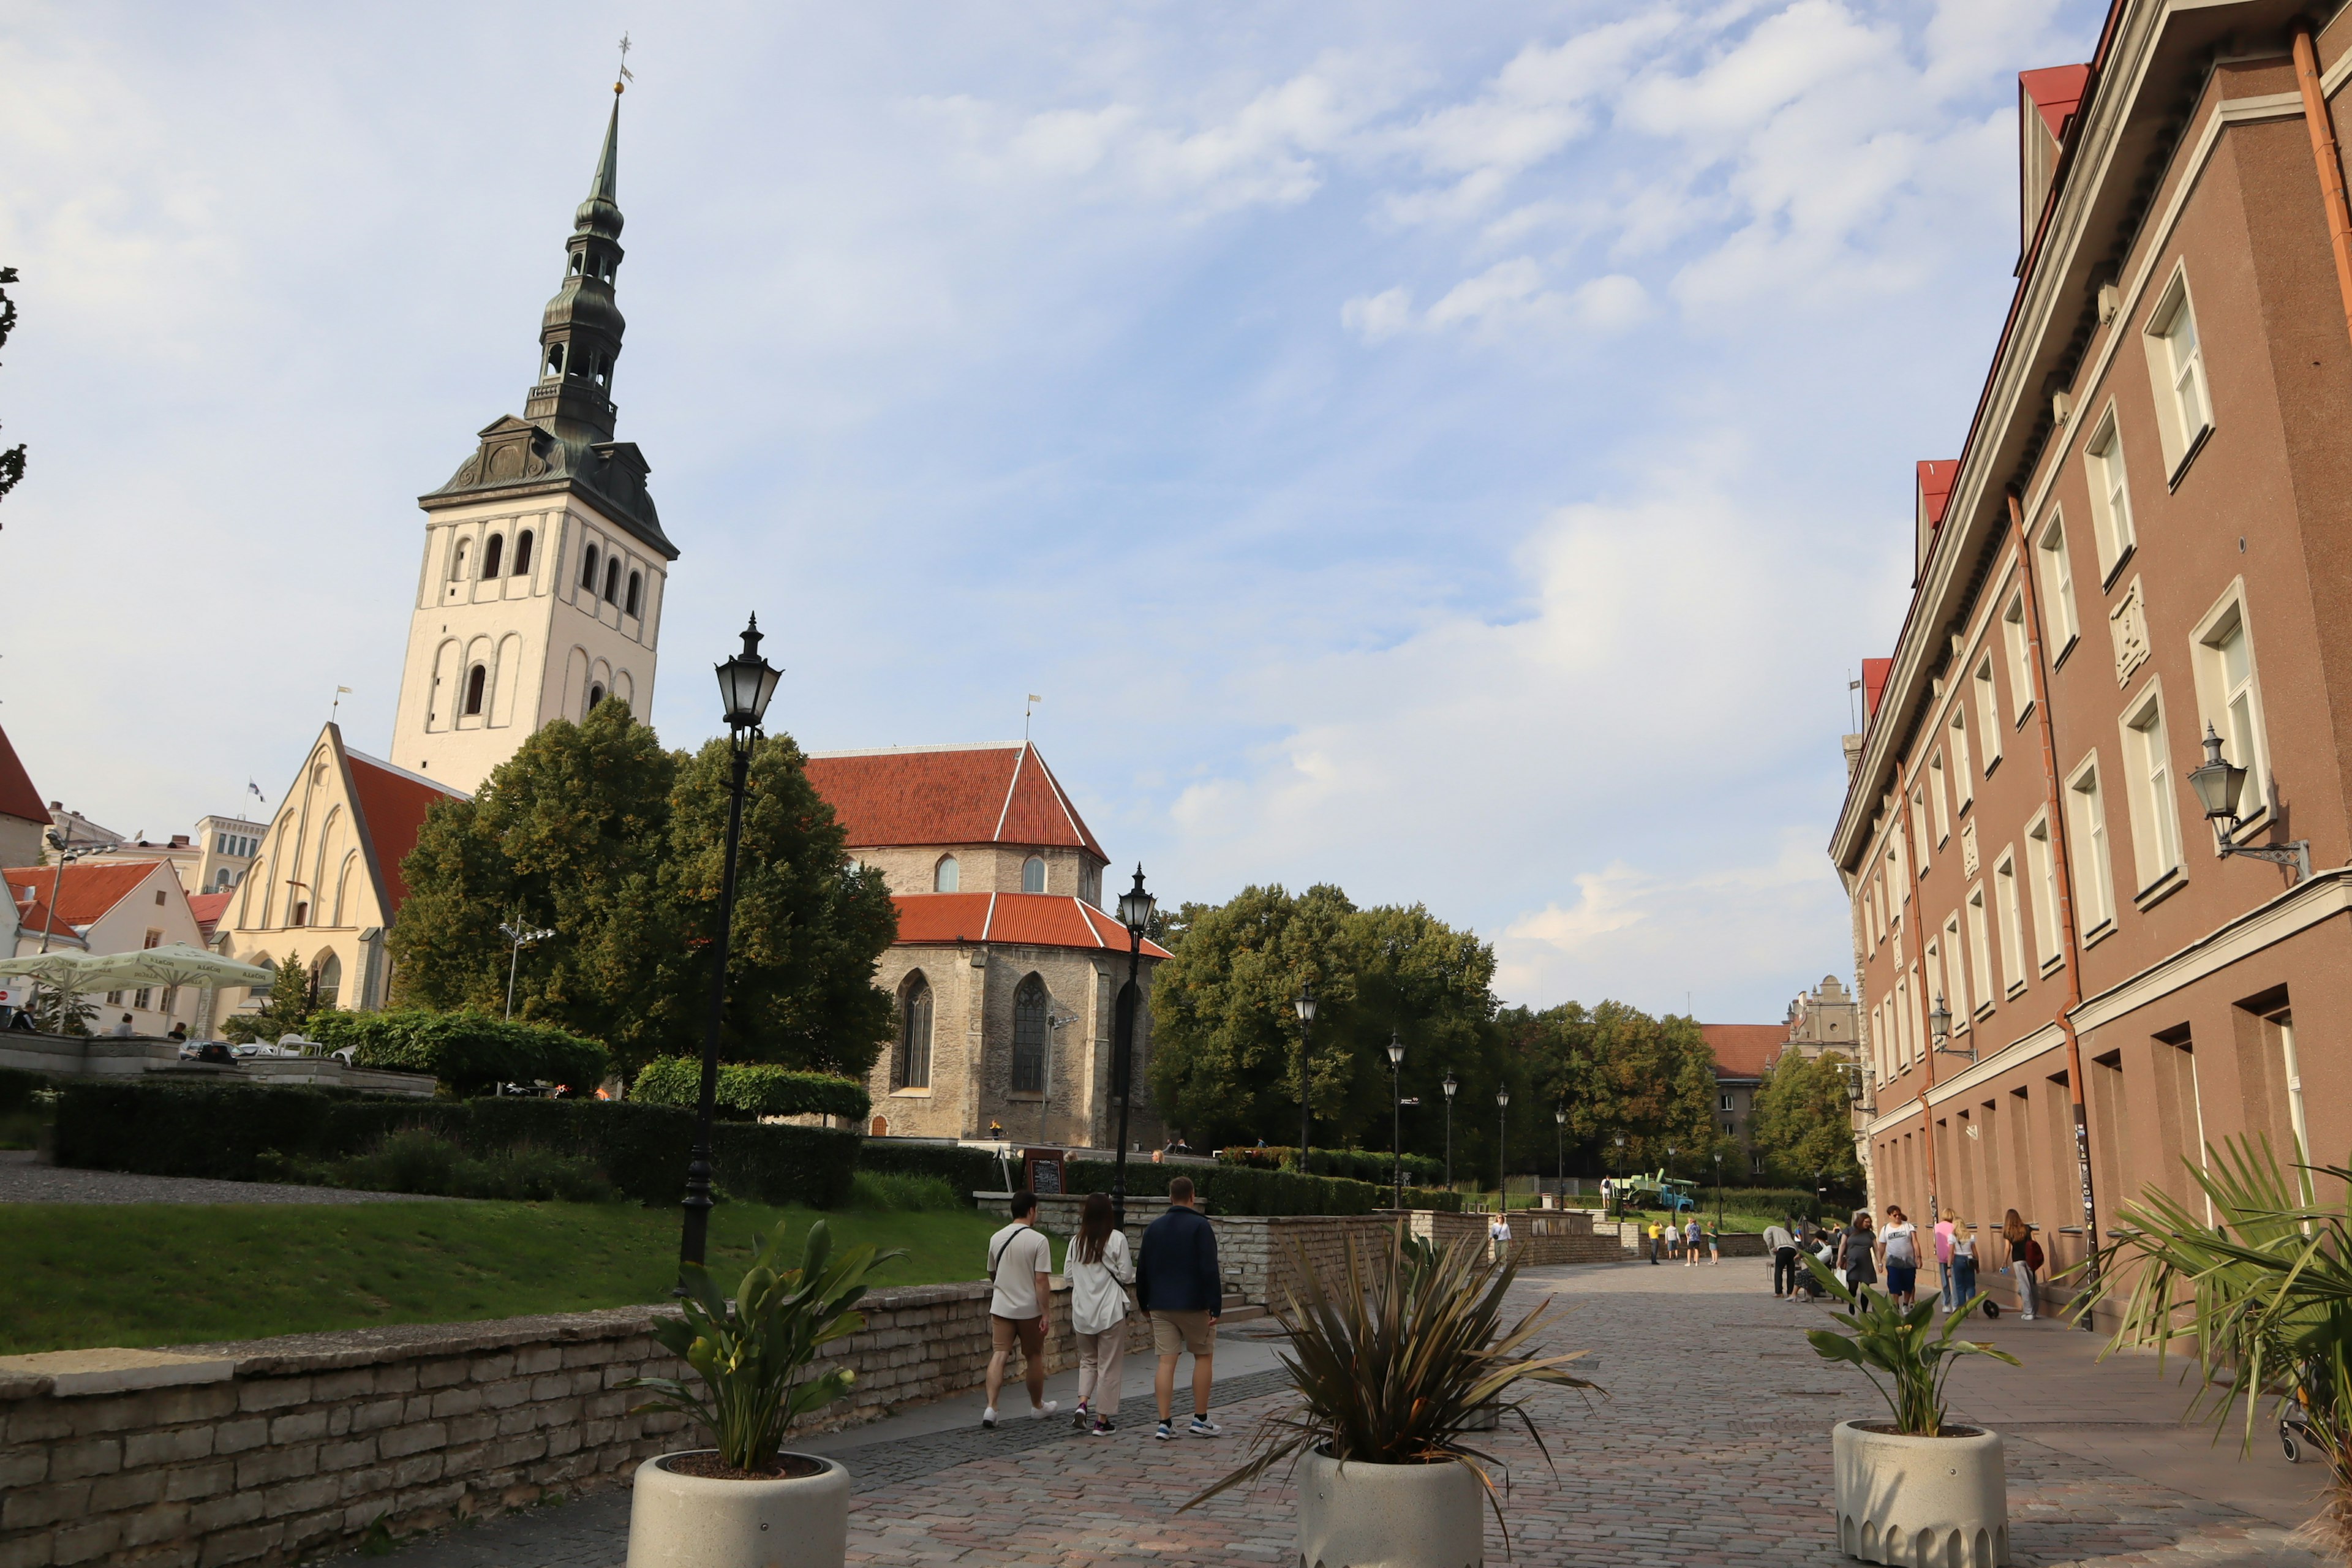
2012 921
1963 782
1940 793
1955 973
2020 665
1987 711
2042 865
2058 615
1919 824
1885 914
2228 696
1903 1024
1033 874
2176 372
1988 990
2155 810
1898 856
946 874
2111 518
2086 830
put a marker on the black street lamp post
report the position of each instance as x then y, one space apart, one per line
1451 1085
1134 912
1396 1113
1559 1149
746 682
1621 1174
1503 1152
1304 1003
1718 1189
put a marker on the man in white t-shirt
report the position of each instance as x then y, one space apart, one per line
1020 1261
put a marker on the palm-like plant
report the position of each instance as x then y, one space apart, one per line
1394 1368
2262 1291
1902 1343
751 1353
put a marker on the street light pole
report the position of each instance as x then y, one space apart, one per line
1621 1174
521 937
1559 1149
1396 1113
746 682
1503 1152
1450 1087
1304 1003
1135 913
1718 1189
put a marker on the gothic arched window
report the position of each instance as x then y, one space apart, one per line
476 678
910 1066
595 695
522 553
493 555
1033 874
943 874
613 581
636 592
329 980
588 570
1030 1007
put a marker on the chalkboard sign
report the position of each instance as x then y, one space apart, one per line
1043 1169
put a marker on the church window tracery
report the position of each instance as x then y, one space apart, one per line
910 1065
1031 1006
637 591
493 556
944 876
475 680
522 553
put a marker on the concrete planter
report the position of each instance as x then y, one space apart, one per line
693 1522
1389 1516
1940 1501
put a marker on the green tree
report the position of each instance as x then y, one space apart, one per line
1802 1122
12 461
293 996
1619 1071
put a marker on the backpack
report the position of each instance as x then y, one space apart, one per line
2032 1253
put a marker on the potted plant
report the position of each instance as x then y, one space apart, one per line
745 1501
1916 1487
1390 1372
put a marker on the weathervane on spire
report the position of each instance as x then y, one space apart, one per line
626 74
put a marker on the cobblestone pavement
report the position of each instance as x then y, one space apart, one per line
1711 1448
24 1181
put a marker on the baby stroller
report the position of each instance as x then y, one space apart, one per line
1809 1287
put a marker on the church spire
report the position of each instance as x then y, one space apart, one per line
580 332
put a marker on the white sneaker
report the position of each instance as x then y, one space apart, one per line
1203 1427
1039 1413
988 1416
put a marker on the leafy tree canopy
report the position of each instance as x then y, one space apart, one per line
1802 1123
1617 1070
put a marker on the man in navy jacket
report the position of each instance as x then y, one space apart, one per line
1177 1283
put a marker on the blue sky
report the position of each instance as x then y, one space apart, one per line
1456 453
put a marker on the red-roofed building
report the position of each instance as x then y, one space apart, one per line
109 903
325 885
1823 1019
1007 970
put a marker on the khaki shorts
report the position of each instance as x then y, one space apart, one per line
1173 1333
1003 1332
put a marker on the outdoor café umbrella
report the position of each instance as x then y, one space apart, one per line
63 972
175 964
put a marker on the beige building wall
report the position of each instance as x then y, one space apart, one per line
311 894
225 845
987 869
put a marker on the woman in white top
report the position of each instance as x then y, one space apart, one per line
1099 1273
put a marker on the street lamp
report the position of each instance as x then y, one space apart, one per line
746 682
1619 1172
2218 783
1304 1003
1503 1152
1396 1113
1718 1189
522 937
1559 1149
1450 1087
1135 908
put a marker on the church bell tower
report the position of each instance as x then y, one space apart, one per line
545 562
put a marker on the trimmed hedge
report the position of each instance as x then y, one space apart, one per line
968 1171
1238 1190
753 1089
246 1134
18 1087
473 1053
1356 1164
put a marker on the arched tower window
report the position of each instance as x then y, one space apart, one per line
588 570
943 874
493 556
595 695
636 592
330 980
910 1065
457 562
1033 874
555 358
1030 1009
613 581
522 553
475 680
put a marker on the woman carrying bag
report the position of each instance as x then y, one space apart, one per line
2024 1263
1099 1271
1858 1253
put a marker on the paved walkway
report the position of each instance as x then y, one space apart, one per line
22 1179
1712 1449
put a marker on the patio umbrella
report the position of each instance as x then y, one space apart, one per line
64 973
175 964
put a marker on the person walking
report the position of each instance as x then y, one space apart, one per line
1657 1243
1964 1265
1781 1244
2024 1263
1020 1260
1177 1281
1858 1252
1100 1272
1499 1237
1899 1250
1715 1246
1944 1263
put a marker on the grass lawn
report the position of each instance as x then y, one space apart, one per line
73 1275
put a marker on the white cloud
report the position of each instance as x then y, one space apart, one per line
1373 317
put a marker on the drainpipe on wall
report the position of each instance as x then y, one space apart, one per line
2063 863
2330 162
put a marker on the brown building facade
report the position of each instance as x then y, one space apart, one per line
2148 532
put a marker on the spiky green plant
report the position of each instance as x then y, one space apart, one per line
2259 1296
1902 1343
1394 1368
751 1353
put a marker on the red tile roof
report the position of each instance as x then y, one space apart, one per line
392 802
90 889
1744 1050
1936 476
2056 91
1028 920
1873 685
18 798
208 908
950 794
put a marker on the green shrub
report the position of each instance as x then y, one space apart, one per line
18 1089
913 1195
243 1133
473 1053
418 1160
966 1169
1356 1164
753 1089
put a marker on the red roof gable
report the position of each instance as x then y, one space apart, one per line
391 804
90 889
208 908
1028 920
17 796
1935 477
2056 91
1744 1050
955 795
1873 685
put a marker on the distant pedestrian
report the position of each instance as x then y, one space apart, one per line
2024 1263
1857 1253
1899 1244
1499 1237
1690 1243
124 1027
1020 1263
1781 1244
1177 1281
1674 1240
1656 1241
1964 1265
1715 1246
1944 1229
1100 1272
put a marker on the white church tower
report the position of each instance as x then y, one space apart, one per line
544 560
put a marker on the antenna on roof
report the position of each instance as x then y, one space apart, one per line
1027 708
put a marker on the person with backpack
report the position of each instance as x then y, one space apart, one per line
1020 1263
1099 1273
1899 1247
2024 1263
1857 1253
